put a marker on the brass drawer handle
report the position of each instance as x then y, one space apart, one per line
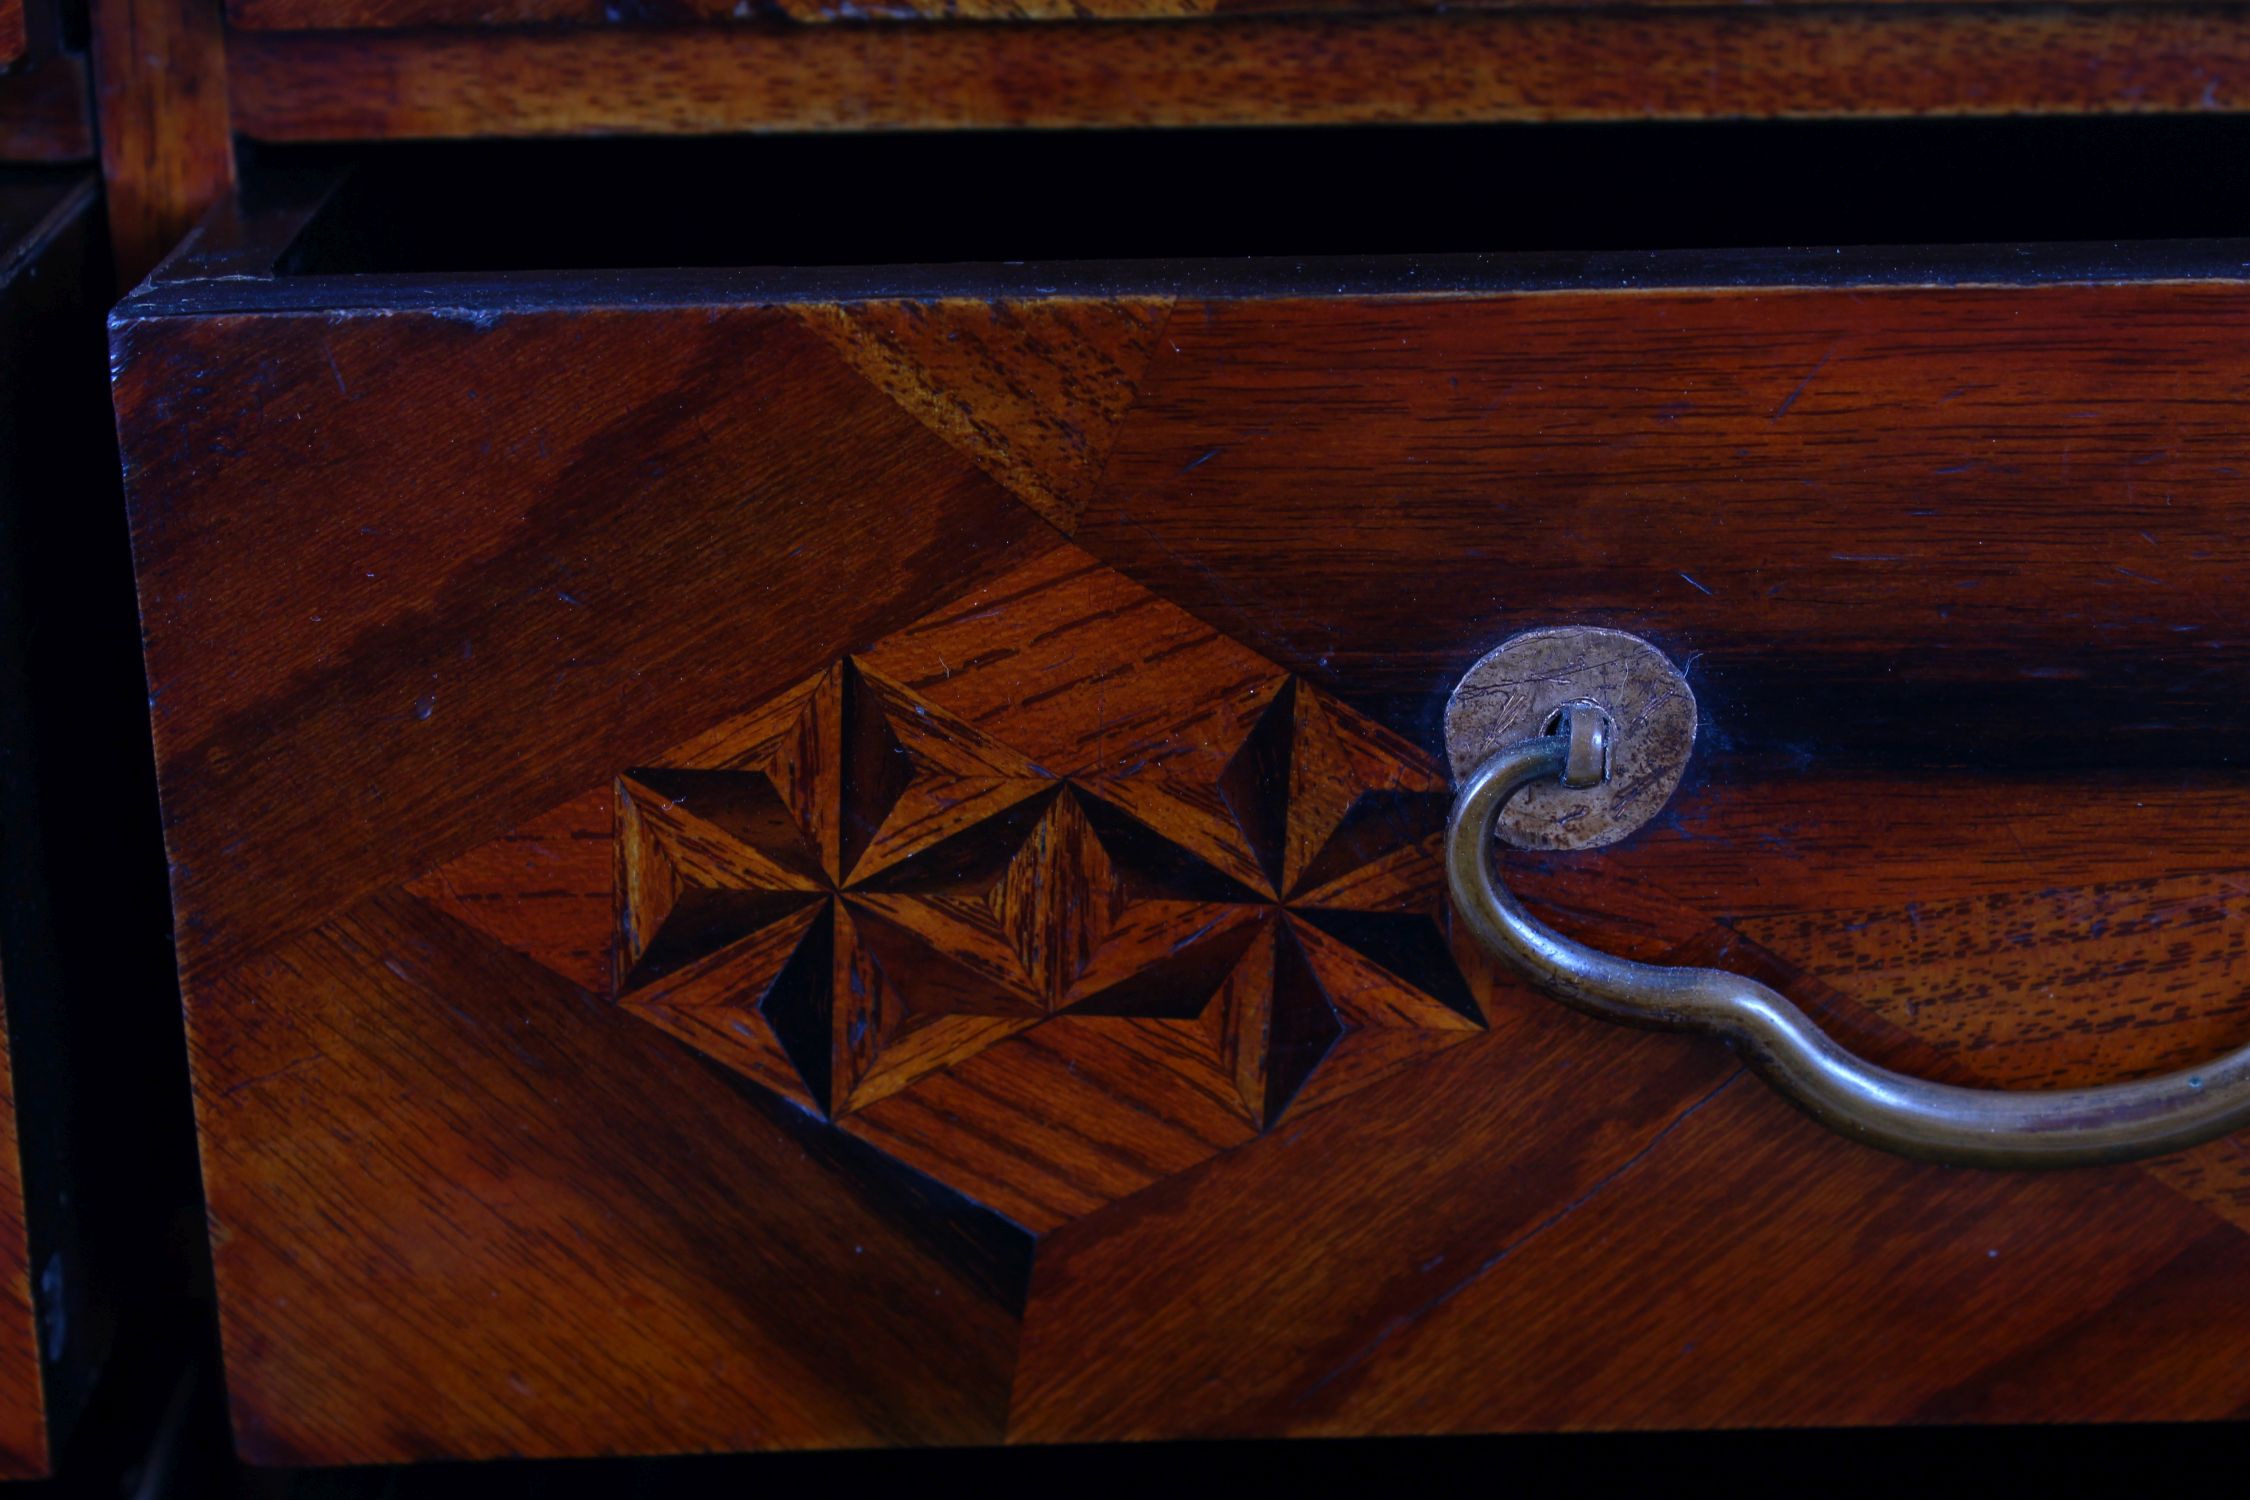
1911 1116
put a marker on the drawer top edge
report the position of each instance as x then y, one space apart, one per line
1778 270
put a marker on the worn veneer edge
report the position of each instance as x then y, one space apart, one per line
240 288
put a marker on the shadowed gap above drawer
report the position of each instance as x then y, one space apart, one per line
814 201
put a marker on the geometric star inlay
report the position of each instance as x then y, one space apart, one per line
1047 897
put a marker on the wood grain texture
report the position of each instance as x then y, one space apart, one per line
15 37
23 1419
160 90
1684 1256
1892 528
423 1152
1108 896
912 894
46 112
46 107
1531 65
335 15
1033 393
529 429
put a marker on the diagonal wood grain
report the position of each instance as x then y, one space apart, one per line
1237 1270
418 1146
436 695
1033 391
544 889
1633 1285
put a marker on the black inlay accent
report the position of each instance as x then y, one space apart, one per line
1379 823
1304 1027
1178 986
988 1249
877 768
1150 866
970 862
797 1007
744 805
1255 783
702 922
1405 944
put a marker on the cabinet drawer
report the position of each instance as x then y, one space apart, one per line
817 857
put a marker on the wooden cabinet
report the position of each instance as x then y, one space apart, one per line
815 858
183 83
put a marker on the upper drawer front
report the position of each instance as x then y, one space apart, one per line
328 70
888 849
340 15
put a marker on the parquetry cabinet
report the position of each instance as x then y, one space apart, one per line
818 857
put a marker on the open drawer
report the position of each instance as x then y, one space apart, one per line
832 855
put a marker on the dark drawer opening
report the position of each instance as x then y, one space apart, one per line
1106 197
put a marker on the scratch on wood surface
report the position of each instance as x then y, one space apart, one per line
1791 399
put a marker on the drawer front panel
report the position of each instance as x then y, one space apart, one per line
890 851
346 15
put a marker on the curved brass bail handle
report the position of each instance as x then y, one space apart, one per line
1911 1116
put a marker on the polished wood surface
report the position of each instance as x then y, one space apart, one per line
46 114
46 111
176 86
335 15
14 37
1568 64
161 93
884 849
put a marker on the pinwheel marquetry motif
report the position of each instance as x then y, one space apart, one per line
1048 895
986 882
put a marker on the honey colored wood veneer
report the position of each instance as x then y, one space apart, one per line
809 871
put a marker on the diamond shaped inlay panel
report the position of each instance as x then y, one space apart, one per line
1050 895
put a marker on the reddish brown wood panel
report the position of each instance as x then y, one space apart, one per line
46 111
23 1426
425 1154
14 38
407 675
336 15
160 86
1532 65
699 834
